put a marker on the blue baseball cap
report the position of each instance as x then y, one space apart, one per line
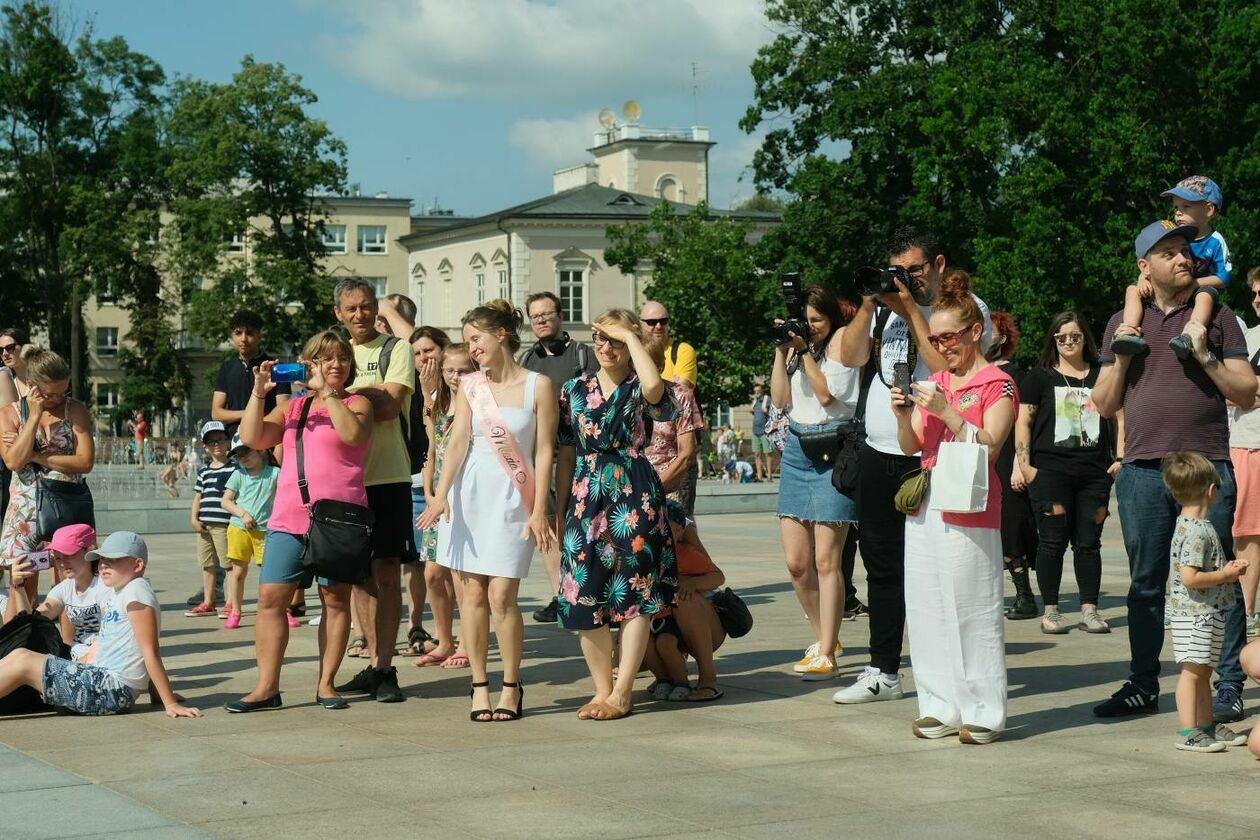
1156 232
121 544
1198 188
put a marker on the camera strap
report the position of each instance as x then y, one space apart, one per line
912 349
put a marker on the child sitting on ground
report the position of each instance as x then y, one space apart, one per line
1196 201
739 472
209 519
694 627
77 596
1203 590
125 655
248 496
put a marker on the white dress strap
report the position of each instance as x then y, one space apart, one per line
529 391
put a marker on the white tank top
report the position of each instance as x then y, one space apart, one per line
842 382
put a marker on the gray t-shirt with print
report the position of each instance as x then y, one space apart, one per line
1195 543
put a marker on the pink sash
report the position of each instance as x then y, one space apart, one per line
502 441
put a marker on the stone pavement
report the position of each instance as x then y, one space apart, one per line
773 758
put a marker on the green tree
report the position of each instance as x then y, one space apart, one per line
249 160
704 270
1034 137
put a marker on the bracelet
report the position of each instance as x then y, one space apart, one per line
260 396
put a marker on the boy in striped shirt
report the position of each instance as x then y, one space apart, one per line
209 519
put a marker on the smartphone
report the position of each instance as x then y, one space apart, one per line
288 372
901 379
39 561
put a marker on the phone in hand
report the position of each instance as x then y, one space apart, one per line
283 372
901 380
39 561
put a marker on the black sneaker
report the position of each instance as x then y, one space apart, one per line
547 615
364 682
1182 347
1129 700
387 690
1228 705
1025 607
854 608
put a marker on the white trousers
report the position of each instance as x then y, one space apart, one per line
954 617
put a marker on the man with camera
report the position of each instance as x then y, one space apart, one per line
889 337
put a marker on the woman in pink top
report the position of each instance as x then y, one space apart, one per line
954 561
334 442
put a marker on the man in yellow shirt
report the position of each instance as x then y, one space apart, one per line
680 358
387 478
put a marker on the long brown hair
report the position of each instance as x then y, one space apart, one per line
1050 350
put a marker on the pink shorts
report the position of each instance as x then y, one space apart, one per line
1247 482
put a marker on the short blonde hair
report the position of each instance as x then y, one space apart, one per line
44 366
1188 476
617 315
318 345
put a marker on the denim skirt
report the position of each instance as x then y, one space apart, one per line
805 491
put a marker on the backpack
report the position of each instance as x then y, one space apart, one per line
417 443
29 631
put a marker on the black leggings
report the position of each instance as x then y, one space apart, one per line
1080 498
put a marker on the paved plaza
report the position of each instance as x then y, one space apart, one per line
774 758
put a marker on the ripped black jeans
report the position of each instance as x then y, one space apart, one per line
1080 497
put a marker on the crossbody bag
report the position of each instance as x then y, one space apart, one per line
58 503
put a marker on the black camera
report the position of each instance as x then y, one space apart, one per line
790 285
872 280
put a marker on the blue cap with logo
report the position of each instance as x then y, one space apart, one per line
121 544
1197 188
1156 232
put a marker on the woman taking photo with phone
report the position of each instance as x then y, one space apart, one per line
491 500
814 517
954 560
336 429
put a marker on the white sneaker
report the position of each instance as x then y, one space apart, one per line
871 685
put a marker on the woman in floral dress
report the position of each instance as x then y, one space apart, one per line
617 555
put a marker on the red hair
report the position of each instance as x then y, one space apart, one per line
1003 323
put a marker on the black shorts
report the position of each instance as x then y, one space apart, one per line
392 535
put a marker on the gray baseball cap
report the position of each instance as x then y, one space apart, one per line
1157 232
121 544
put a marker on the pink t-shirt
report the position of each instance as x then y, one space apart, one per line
989 385
333 470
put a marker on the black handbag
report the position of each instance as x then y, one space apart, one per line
338 541
820 448
732 612
36 632
59 503
844 475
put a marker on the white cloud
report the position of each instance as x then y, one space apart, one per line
554 143
531 50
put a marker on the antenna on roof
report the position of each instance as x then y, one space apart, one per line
631 110
606 119
695 91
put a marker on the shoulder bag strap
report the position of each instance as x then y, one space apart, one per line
301 466
504 444
382 365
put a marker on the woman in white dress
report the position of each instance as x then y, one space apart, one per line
491 502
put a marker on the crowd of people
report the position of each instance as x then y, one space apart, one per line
904 428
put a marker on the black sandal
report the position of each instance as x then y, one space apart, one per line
416 639
520 700
474 715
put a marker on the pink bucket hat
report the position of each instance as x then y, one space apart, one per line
71 539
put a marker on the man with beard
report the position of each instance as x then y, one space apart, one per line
891 328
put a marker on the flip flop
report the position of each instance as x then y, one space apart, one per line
456 660
714 694
427 659
608 712
358 643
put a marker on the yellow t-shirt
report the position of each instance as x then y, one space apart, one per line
686 367
387 459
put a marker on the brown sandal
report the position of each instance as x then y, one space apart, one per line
610 712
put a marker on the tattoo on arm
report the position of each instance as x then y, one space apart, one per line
1021 452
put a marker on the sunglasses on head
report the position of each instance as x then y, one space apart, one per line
656 322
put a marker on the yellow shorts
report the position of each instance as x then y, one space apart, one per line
212 546
242 545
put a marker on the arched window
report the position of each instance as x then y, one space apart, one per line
667 188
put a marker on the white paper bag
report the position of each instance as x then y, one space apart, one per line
960 479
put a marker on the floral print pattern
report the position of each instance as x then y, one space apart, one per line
17 538
663 448
617 553
441 428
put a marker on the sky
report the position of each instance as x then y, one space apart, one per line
471 104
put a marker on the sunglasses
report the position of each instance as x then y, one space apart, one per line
945 339
656 322
601 340
9 348
1068 338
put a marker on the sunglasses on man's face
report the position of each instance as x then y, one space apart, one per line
656 322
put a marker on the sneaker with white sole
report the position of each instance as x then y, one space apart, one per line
870 686
811 653
931 729
1200 741
971 734
820 668
1229 737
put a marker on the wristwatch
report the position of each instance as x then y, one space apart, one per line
1209 360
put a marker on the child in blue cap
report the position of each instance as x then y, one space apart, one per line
1196 201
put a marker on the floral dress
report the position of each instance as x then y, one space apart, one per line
617 554
17 538
441 428
663 448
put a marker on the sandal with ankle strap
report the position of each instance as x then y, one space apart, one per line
520 700
475 714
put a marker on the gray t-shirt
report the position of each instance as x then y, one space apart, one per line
575 360
1196 543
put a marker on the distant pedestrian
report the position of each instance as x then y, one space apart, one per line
763 452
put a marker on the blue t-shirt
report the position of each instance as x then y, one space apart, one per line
255 494
759 409
1211 257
